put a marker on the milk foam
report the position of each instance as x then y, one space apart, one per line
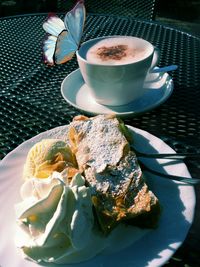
117 51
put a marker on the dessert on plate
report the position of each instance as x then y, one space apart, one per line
78 190
47 156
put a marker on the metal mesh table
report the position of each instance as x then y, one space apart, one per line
144 9
30 99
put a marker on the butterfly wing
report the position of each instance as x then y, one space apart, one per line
74 21
54 25
65 47
49 49
65 36
68 41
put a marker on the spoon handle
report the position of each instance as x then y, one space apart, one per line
165 69
187 180
170 156
166 155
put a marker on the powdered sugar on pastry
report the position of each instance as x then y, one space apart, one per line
99 142
117 180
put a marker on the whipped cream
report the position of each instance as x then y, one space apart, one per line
56 222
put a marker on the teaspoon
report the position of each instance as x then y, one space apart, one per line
165 69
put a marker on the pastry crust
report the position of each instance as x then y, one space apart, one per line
111 170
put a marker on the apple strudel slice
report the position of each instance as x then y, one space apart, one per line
119 190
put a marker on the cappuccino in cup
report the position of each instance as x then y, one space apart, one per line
116 51
115 67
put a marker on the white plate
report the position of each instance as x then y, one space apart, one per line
153 249
158 88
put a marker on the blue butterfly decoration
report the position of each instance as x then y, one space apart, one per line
63 38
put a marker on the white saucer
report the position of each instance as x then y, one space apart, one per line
158 88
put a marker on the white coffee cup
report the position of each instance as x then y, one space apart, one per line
115 81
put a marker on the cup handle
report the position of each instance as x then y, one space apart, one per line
155 59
